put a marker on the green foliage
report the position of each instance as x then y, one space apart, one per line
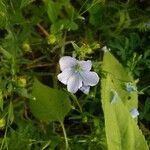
146 110
34 35
10 113
24 3
49 104
3 15
1 100
53 9
125 133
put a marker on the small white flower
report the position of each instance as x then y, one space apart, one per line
130 87
76 74
105 49
114 97
134 112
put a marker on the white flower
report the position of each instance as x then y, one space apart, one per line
134 112
115 97
76 74
105 49
130 87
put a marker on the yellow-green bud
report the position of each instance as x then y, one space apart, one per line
85 119
26 47
2 123
86 49
22 82
51 39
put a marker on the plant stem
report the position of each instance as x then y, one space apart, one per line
63 44
43 30
65 135
76 101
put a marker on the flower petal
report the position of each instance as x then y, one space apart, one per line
134 112
105 49
85 89
74 83
86 65
65 75
67 62
130 87
89 78
114 97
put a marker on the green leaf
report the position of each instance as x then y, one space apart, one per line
64 24
3 15
53 9
5 53
95 17
24 3
75 46
1 100
49 104
122 131
68 24
10 112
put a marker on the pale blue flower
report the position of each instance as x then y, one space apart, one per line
105 49
134 112
130 87
76 74
114 97
85 89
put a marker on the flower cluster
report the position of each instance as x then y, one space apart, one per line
76 74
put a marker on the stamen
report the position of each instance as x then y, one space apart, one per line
77 68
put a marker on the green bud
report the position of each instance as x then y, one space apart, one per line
2 123
22 82
51 39
86 49
85 119
26 47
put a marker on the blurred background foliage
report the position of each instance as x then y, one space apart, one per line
34 34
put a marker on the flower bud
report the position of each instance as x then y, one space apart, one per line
51 39
22 82
26 47
2 123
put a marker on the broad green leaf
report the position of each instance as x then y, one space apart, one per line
119 77
122 131
49 104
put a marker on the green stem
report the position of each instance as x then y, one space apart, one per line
76 101
144 89
4 141
55 80
65 135
63 44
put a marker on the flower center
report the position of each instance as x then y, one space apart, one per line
77 68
